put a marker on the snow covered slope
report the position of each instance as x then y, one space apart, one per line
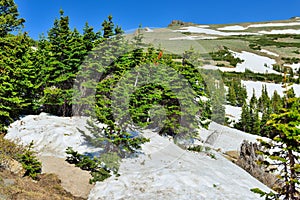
51 135
164 171
271 87
253 62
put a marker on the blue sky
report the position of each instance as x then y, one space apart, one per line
129 14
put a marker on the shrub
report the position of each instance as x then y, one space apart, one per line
100 168
30 163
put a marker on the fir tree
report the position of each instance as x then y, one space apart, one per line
67 50
108 27
245 121
231 96
9 17
254 115
17 78
276 102
283 150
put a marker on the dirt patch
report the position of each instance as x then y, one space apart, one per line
73 179
48 187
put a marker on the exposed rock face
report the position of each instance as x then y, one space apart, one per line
13 166
247 160
179 23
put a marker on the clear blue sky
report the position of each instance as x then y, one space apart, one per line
129 14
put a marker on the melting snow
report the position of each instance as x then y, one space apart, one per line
51 135
271 87
253 62
163 171
286 31
274 25
232 28
269 52
294 66
193 29
233 113
193 38
166 171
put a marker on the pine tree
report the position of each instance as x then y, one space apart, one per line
254 115
284 149
17 78
276 102
108 27
67 50
9 17
241 93
231 96
245 121
90 37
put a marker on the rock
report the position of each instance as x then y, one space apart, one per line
8 182
3 197
247 160
13 166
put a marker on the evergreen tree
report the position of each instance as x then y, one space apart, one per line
108 27
284 149
276 102
245 121
231 96
66 53
9 17
90 37
254 115
17 78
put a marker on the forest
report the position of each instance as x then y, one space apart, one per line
124 83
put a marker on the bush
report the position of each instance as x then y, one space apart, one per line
30 163
100 168
225 55
9 150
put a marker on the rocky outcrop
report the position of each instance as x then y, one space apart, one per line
179 23
13 166
247 160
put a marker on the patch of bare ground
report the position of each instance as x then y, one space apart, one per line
73 179
47 187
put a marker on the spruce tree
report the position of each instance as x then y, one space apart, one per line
276 102
9 17
17 78
245 121
231 96
108 27
90 37
67 50
254 115
284 149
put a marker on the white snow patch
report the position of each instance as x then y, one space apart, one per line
163 171
271 87
203 26
253 62
233 28
233 112
274 25
166 171
193 29
51 134
269 52
286 31
193 38
294 66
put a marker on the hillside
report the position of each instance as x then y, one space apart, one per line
162 168
155 114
